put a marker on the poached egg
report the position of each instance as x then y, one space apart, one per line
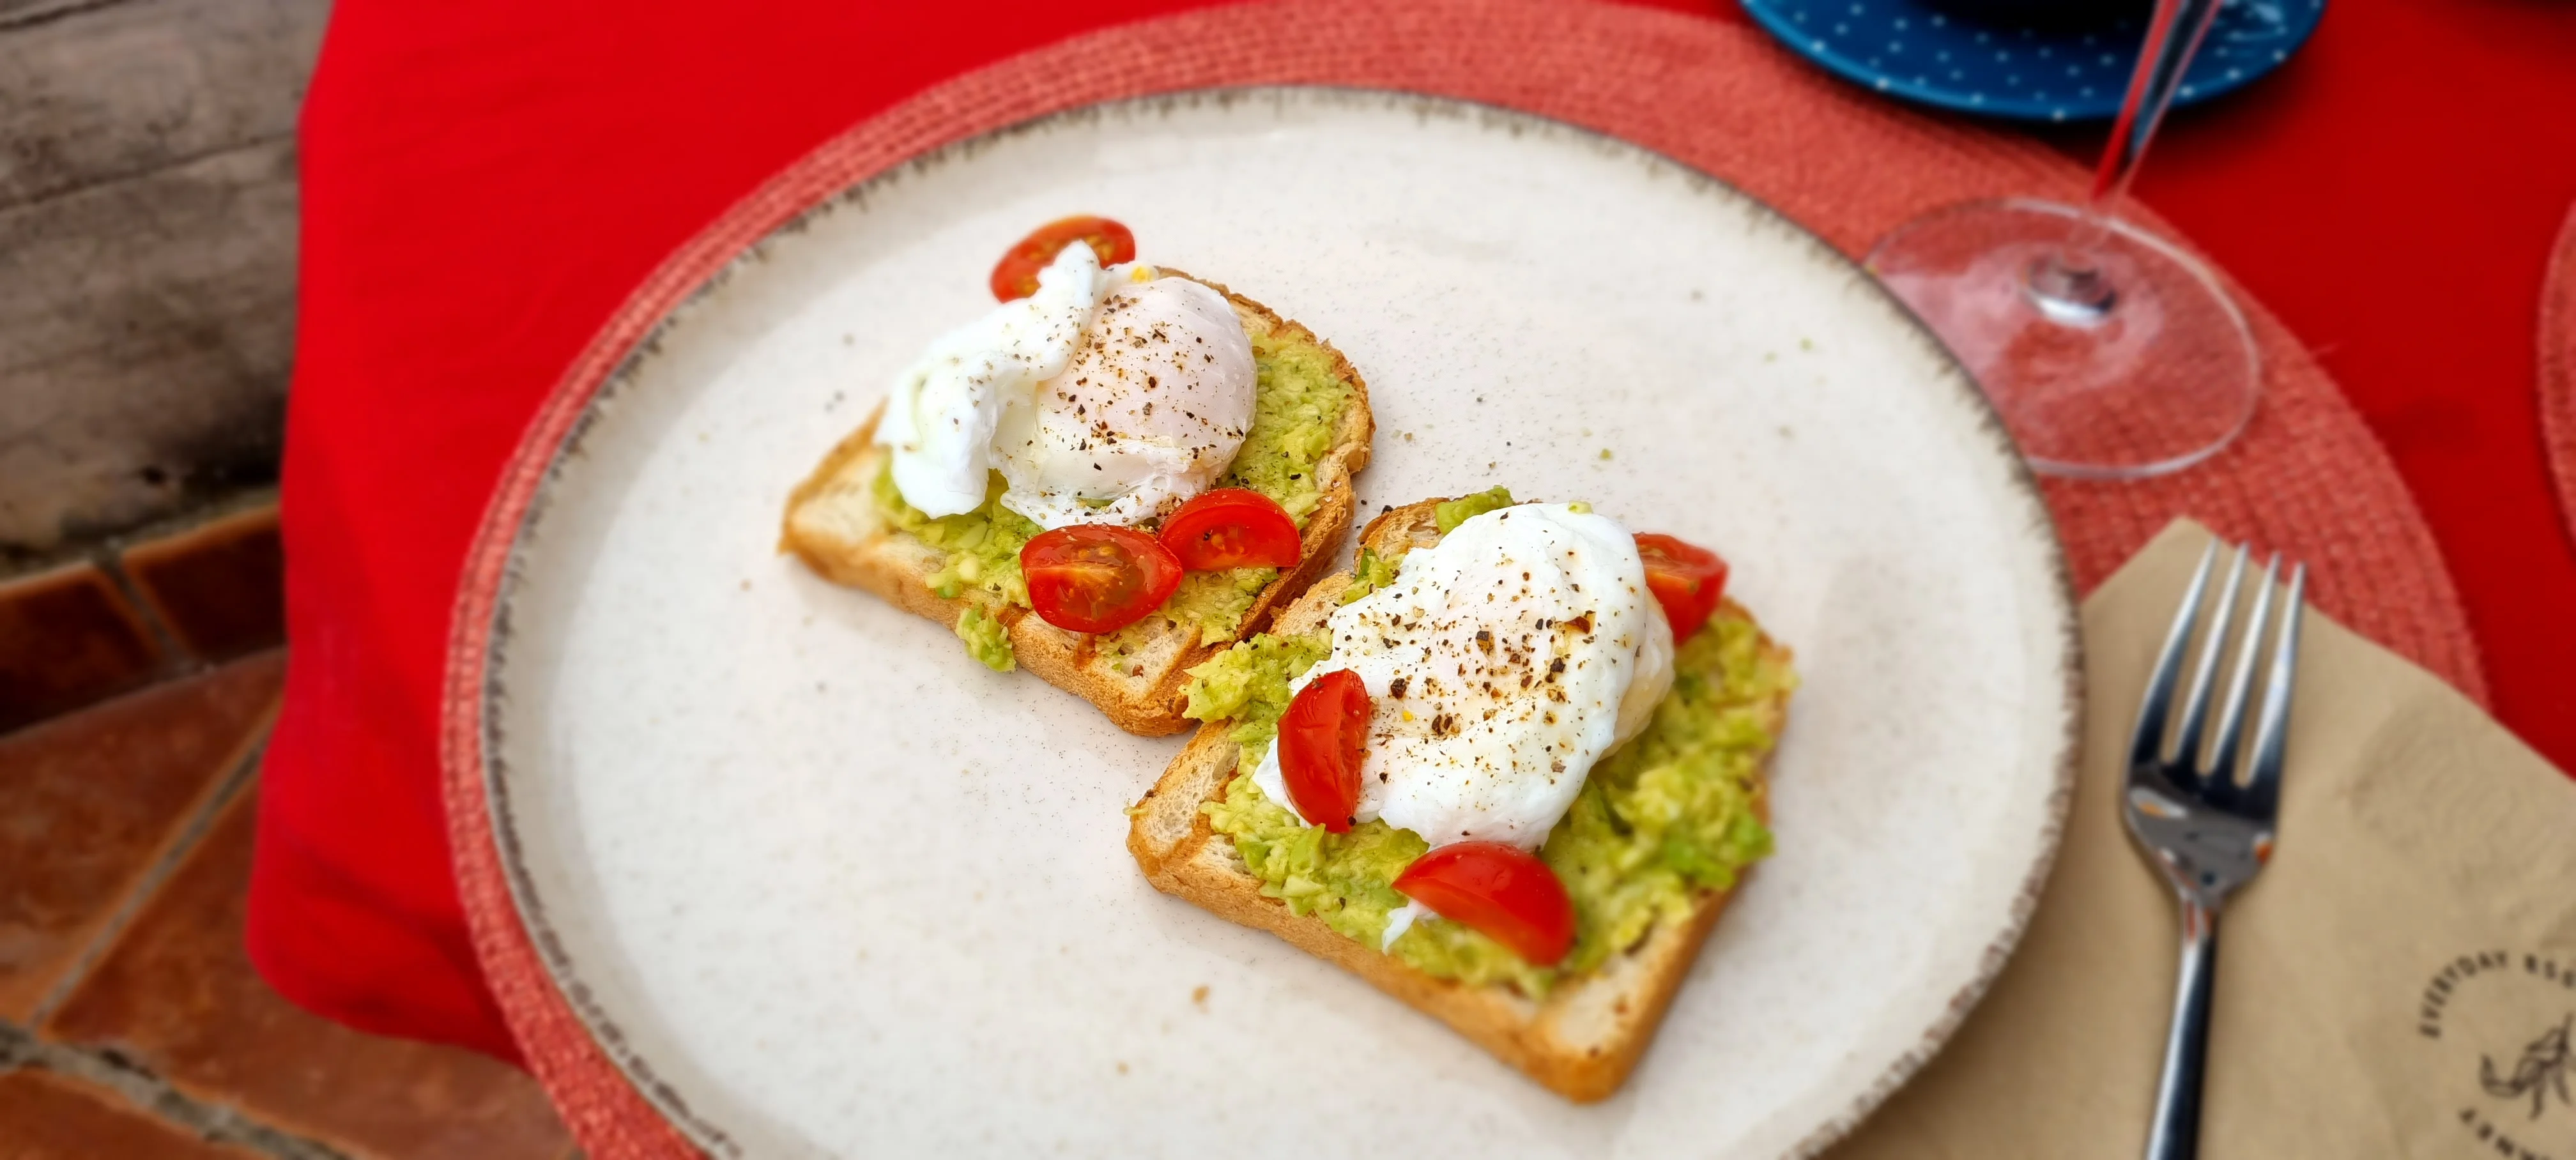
1500 665
1109 396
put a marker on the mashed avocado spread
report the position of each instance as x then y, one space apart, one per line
1371 573
1297 406
987 639
1659 820
1452 512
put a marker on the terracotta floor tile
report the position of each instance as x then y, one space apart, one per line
219 587
67 638
178 996
51 1117
88 799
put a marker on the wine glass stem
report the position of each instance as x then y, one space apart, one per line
2070 285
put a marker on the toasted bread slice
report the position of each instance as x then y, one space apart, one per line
1580 1041
832 523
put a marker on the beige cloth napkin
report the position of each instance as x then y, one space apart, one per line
2399 982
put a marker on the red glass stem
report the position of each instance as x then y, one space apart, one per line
2174 35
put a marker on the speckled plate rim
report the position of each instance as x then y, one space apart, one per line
477 781
1824 54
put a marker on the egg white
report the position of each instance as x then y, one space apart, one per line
941 416
1109 396
1501 664
1150 412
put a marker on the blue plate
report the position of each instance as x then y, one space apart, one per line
1908 48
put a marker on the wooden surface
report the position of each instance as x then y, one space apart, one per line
147 254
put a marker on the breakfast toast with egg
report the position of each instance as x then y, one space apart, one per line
1586 1033
1137 675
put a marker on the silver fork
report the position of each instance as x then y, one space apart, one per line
2203 827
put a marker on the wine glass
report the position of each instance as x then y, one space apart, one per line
2110 353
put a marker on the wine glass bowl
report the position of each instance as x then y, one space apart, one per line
2109 353
2135 364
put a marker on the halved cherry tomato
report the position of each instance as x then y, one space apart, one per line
1323 738
1232 527
1503 891
1688 580
1016 275
1096 577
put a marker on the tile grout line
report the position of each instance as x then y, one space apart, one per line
215 1123
175 660
111 1069
242 767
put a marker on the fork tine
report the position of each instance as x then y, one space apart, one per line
2147 740
2220 767
2195 708
2272 726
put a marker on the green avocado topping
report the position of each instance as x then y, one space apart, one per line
1216 601
1249 684
1451 513
1371 573
982 546
1661 820
987 639
1297 408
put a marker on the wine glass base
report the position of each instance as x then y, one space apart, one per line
2152 372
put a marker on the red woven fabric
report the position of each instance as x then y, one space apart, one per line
486 182
2558 369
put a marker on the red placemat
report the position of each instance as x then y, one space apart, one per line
2307 477
2558 368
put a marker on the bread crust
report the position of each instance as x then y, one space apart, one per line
831 523
1580 1042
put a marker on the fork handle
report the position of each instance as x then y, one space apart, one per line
2176 1134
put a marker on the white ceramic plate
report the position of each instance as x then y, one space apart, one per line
839 891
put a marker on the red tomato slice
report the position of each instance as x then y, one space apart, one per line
1016 275
1502 891
1688 580
1096 577
1323 738
1232 527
